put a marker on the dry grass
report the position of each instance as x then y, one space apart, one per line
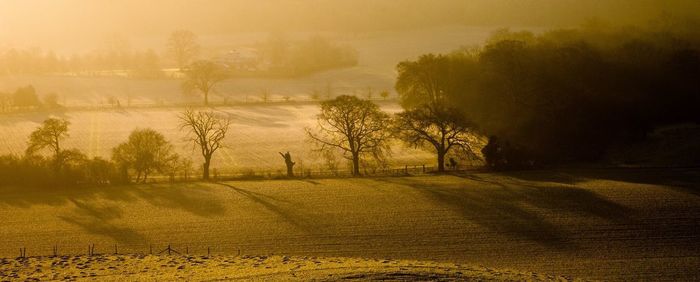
619 224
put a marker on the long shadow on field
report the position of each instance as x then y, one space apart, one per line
685 180
516 210
269 204
192 198
97 220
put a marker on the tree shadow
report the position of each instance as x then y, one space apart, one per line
98 220
686 180
273 205
519 210
192 198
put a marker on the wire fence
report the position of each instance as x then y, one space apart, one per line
92 249
317 173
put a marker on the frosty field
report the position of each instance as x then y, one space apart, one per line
598 224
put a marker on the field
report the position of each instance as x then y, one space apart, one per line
256 136
599 224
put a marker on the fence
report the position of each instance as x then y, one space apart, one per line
250 174
91 249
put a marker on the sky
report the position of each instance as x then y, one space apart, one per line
57 24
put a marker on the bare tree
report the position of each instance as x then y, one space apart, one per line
203 76
206 130
356 127
183 47
49 135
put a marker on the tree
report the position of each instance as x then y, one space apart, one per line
425 87
49 135
145 151
442 130
203 76
206 130
51 101
357 127
25 97
290 164
384 94
183 47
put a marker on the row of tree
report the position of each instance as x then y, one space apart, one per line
26 98
146 152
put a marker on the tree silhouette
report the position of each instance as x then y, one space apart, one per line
425 88
183 47
49 135
355 126
203 76
443 130
206 130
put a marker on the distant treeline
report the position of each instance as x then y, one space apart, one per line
142 64
570 95
276 57
307 56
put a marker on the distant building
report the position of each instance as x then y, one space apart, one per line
242 58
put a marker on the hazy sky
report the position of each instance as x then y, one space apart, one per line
52 24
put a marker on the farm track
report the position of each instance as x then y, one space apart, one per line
609 225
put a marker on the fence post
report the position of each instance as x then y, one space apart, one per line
115 249
150 248
208 251
423 168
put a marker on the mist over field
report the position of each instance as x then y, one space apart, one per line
392 140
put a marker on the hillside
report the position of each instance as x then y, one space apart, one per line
599 224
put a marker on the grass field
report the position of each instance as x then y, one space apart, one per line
598 224
256 136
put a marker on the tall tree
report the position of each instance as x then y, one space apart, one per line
49 135
203 76
424 87
183 47
145 151
206 130
357 127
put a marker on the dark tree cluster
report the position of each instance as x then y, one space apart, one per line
566 95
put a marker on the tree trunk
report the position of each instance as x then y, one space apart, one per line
290 170
205 172
441 160
355 164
